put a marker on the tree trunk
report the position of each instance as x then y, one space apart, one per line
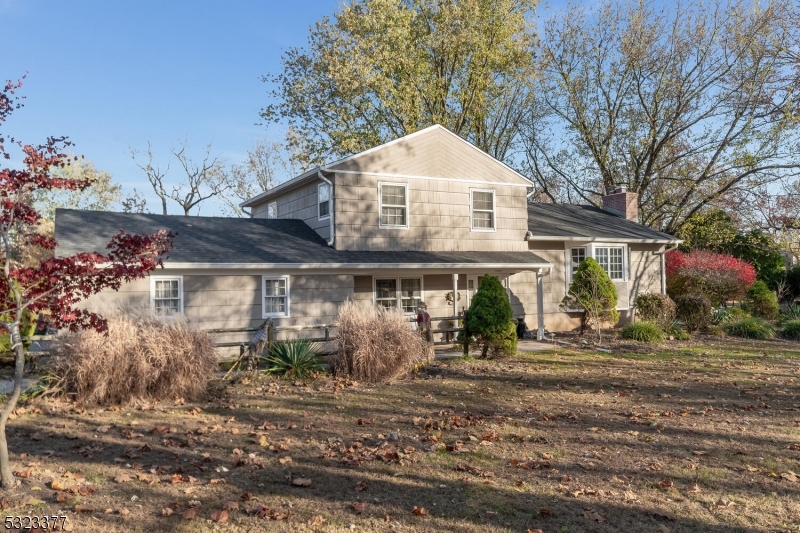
6 476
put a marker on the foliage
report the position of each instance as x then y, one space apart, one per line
712 229
593 292
760 250
658 308
791 328
793 282
674 329
375 344
643 332
54 285
144 358
26 327
728 314
750 328
694 311
679 102
790 312
718 277
761 302
490 318
295 358
381 69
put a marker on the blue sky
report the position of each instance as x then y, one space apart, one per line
114 74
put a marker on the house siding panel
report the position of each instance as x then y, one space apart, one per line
298 203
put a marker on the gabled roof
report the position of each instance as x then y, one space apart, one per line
433 152
567 222
212 242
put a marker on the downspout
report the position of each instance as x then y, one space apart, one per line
332 238
540 302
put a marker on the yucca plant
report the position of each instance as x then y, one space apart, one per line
790 312
750 328
295 358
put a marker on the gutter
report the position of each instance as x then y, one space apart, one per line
358 266
332 233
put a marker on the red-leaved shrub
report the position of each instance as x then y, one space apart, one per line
718 277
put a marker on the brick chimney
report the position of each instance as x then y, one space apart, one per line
623 203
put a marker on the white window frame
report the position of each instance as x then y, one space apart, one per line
472 210
264 313
380 206
398 291
274 207
320 216
153 280
591 251
571 264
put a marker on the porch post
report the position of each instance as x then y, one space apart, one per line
540 304
455 298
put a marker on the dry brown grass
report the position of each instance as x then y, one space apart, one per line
143 358
375 344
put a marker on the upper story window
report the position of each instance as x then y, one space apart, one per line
275 296
324 200
166 294
482 210
393 205
610 258
272 210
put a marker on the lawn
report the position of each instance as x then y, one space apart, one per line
690 437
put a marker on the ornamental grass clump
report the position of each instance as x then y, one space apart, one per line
143 358
375 344
750 328
791 329
643 332
490 319
296 358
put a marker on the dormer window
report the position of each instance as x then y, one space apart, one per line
393 205
324 200
482 209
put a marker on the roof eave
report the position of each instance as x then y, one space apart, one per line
297 181
605 239
352 266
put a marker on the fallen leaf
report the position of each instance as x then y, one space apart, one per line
231 506
791 477
358 507
593 515
665 483
166 511
220 516
316 521
301 482
189 514
361 486
84 508
57 484
419 511
124 511
545 512
694 489
61 497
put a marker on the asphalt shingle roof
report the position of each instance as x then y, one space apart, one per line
586 221
216 240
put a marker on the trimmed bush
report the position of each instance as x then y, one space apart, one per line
593 292
295 358
643 332
750 328
694 311
718 277
762 302
489 319
375 344
658 308
143 358
791 329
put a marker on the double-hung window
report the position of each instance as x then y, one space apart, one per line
400 293
610 258
166 294
324 200
393 205
482 210
275 296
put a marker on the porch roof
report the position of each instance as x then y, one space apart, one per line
250 243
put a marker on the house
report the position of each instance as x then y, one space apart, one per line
421 218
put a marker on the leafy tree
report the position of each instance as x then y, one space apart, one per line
381 69
489 318
593 292
712 229
101 195
56 284
681 103
718 277
760 250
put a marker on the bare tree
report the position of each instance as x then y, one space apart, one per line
682 104
203 180
134 203
267 164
